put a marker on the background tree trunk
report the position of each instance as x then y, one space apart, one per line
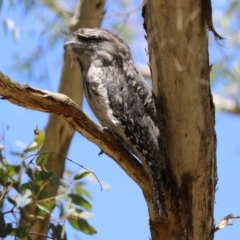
58 134
178 54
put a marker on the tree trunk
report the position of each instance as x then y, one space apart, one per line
178 55
58 133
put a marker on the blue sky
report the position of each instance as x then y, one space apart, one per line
120 213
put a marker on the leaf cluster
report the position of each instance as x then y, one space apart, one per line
24 184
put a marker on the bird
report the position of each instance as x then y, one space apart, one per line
122 101
37 142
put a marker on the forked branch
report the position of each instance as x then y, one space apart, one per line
59 104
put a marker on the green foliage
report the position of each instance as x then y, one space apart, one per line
50 18
81 225
24 183
225 58
57 232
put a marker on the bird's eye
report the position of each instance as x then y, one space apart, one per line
81 38
86 38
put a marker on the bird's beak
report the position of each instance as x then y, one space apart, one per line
68 45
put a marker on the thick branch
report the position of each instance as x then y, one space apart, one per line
60 104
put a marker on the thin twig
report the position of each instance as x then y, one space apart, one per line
70 161
40 234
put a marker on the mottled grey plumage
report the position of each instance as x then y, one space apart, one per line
121 100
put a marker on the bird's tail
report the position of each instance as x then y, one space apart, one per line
158 196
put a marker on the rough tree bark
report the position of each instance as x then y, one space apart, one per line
178 55
58 133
